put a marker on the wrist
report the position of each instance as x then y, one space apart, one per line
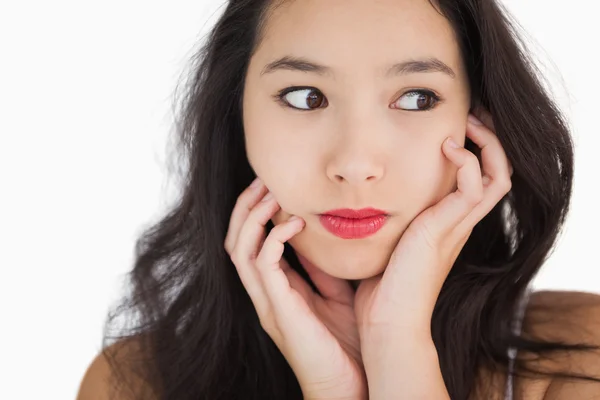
405 370
385 345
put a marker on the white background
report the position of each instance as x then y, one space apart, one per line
85 114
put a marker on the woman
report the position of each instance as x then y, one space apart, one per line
415 176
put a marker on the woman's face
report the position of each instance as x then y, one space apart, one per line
356 137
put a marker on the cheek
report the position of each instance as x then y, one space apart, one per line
284 172
435 177
282 157
270 142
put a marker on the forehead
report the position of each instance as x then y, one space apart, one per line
350 35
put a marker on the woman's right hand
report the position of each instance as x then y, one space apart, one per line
316 334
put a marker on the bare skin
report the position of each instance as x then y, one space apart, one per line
571 325
360 148
569 316
368 129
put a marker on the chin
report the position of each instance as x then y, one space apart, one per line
356 268
358 273
342 259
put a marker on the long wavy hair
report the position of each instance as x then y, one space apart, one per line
196 332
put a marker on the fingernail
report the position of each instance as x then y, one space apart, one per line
474 120
452 143
255 183
267 196
293 218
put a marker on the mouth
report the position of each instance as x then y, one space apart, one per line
353 224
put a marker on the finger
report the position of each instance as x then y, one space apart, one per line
495 164
244 204
486 119
288 296
297 282
268 261
247 248
496 170
269 266
442 218
484 116
330 287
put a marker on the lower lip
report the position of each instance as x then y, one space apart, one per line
350 228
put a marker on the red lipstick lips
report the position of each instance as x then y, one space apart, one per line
347 223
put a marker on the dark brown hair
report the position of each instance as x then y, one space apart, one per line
201 335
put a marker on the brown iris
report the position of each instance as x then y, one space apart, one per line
424 101
315 99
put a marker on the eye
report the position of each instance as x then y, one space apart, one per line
418 100
302 98
310 98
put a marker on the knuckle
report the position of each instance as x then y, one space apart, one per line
475 197
478 197
267 320
472 158
260 212
256 216
243 200
235 258
428 236
275 235
239 201
276 230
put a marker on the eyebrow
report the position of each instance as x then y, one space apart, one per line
427 65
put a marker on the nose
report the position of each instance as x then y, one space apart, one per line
358 155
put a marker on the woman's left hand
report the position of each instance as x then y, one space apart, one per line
394 309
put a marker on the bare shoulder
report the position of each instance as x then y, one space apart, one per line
564 316
100 377
571 317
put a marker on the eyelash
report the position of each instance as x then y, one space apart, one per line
279 97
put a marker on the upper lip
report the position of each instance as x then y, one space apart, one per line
355 214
